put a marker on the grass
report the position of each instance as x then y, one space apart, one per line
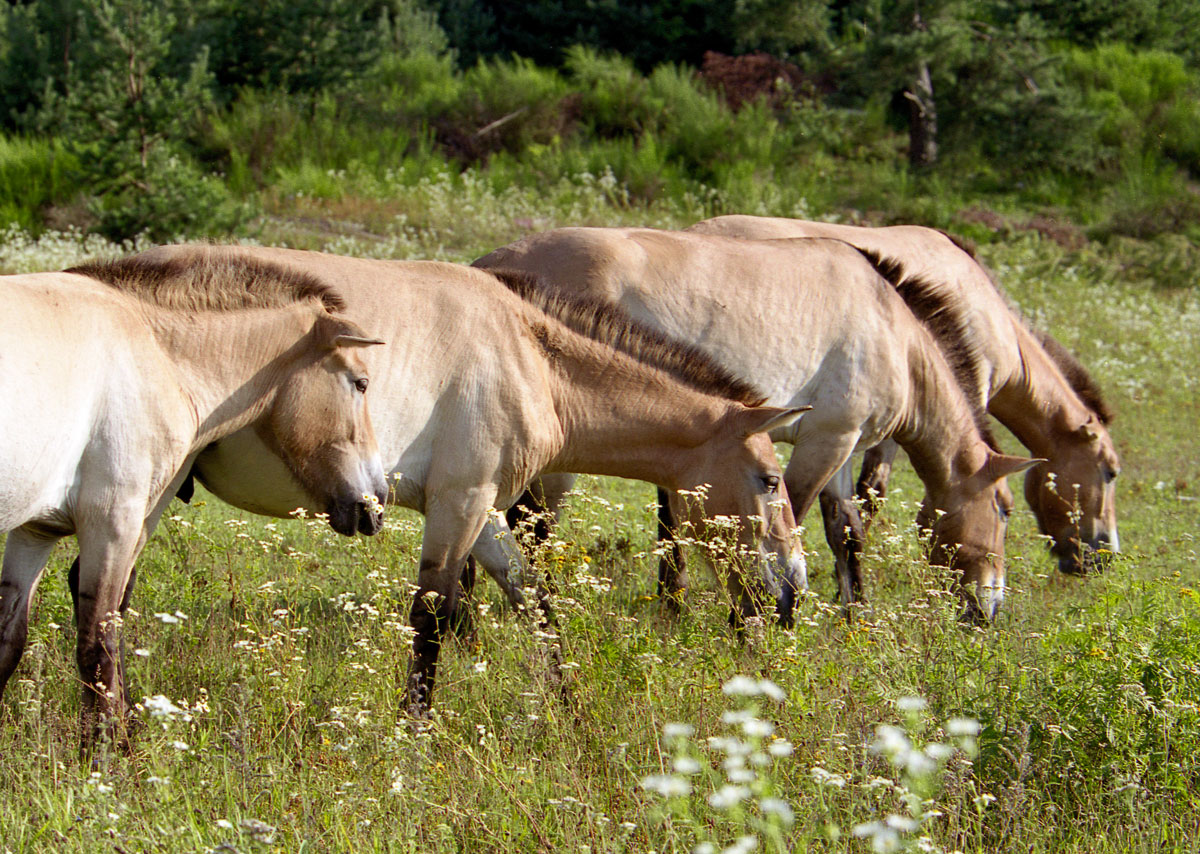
287 731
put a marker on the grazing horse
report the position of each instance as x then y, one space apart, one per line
815 322
114 376
486 383
1033 386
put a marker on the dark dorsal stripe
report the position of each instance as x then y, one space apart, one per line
211 281
608 324
1076 376
949 329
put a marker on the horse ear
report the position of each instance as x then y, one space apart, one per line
1002 465
1087 430
356 341
337 332
764 419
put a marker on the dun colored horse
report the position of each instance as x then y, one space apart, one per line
114 377
486 383
1034 387
821 323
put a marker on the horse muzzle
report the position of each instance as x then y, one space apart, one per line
1096 555
350 516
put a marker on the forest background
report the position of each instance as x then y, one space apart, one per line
1061 138
1078 119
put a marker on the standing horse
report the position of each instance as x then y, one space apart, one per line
114 376
488 382
815 322
1033 386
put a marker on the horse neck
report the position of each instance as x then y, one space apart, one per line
624 418
229 363
1038 404
939 432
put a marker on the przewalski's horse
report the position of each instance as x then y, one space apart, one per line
1034 387
481 388
813 322
114 376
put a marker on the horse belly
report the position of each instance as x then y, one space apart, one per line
242 471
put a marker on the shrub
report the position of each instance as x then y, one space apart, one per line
1146 103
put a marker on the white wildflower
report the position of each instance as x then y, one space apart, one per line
728 796
779 808
962 726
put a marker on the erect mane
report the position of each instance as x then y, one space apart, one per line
949 329
211 282
1076 375
608 324
961 242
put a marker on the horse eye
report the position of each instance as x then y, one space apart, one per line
1110 475
361 384
771 482
1004 512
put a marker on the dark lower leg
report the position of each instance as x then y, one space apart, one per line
464 615
844 533
672 570
430 617
872 481
14 618
528 516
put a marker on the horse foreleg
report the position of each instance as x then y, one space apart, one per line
820 466
450 530
873 479
25 557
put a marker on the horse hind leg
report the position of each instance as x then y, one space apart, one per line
534 514
25 557
873 479
102 590
73 586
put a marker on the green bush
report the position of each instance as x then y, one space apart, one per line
263 134
1147 102
168 198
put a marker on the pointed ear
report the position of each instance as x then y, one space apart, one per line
764 419
334 332
1087 431
1002 465
356 341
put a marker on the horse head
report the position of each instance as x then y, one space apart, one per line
1073 496
734 496
968 525
319 425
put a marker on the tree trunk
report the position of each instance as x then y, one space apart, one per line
922 120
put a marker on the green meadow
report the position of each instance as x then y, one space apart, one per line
268 654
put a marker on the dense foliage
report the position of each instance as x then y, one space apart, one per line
194 116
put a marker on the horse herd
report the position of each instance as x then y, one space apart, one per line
670 357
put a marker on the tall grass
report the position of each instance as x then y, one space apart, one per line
267 656
33 174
